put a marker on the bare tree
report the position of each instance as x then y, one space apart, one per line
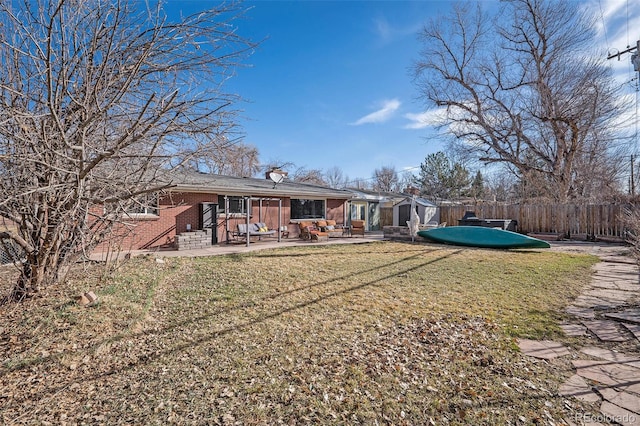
335 178
598 179
407 181
99 101
279 164
312 176
525 89
499 186
228 158
360 183
386 179
297 174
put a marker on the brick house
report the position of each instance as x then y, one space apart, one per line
217 204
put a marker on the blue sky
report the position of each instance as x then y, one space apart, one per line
330 85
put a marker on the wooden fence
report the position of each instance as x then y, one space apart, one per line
589 220
386 216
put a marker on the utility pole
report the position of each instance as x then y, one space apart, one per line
635 60
632 181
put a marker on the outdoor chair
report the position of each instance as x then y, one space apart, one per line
308 231
357 227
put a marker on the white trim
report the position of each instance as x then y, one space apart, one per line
142 216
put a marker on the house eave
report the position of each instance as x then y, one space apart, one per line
277 192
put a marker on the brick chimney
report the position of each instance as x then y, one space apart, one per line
412 190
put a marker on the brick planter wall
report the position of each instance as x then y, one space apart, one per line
194 240
399 233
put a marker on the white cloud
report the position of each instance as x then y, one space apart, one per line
606 10
421 120
389 107
383 29
387 32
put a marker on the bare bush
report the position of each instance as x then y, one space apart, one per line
99 102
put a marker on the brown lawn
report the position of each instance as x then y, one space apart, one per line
380 333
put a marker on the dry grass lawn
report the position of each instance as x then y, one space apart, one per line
380 333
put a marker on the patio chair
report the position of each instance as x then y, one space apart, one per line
310 232
357 227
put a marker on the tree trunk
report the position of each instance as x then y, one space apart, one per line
39 271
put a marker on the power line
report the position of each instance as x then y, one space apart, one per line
635 60
628 39
604 25
373 177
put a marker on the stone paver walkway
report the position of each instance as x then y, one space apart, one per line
606 310
543 349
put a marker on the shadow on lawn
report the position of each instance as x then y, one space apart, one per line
328 250
148 358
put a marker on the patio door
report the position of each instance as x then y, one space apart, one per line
359 211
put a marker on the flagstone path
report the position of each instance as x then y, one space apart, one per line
608 311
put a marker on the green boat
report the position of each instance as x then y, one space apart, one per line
478 236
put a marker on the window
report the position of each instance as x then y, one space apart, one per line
236 205
307 209
142 205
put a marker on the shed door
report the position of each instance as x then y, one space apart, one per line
404 214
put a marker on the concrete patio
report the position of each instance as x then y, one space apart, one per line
239 247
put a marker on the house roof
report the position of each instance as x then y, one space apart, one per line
187 181
419 201
366 195
393 197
